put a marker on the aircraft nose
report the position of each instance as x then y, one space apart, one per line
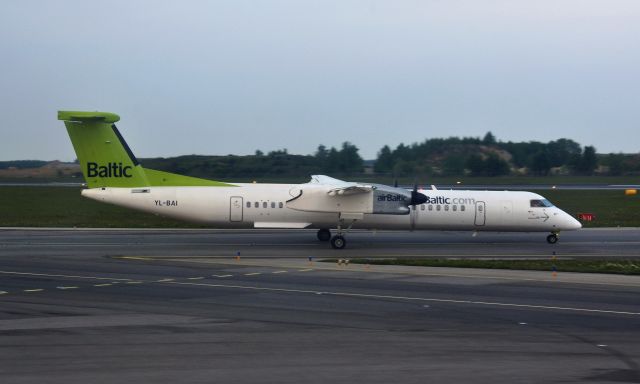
570 223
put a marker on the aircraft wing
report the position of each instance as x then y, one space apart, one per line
326 194
339 187
351 190
326 180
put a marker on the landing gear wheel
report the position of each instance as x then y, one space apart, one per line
338 242
324 234
552 238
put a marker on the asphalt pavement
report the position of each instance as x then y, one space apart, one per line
205 306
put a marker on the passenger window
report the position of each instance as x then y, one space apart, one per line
264 204
437 207
256 204
280 205
462 208
248 204
455 208
273 204
430 207
422 207
446 208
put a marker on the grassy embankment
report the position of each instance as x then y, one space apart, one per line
422 181
621 266
64 207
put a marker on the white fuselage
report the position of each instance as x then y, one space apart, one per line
265 206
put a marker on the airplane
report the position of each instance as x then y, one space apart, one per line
114 175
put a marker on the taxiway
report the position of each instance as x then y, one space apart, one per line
220 306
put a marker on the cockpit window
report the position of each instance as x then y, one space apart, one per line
544 203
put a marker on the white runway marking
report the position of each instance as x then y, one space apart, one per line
52 275
222 275
253 274
276 272
33 290
64 287
409 298
102 285
195 278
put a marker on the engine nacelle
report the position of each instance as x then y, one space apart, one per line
390 200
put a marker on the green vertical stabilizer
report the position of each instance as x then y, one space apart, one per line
107 160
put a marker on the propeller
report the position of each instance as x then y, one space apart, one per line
417 198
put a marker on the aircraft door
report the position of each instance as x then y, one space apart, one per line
506 216
235 209
481 214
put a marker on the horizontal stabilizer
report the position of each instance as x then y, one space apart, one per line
104 117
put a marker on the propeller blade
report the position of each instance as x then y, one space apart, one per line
417 198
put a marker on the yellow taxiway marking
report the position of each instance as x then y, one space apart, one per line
222 275
63 287
102 285
195 278
276 272
253 273
33 290
410 298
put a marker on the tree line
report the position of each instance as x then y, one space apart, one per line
473 156
453 156
343 161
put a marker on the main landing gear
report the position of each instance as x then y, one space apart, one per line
337 242
552 238
324 234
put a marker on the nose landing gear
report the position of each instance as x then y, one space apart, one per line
552 238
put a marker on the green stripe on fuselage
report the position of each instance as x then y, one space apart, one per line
166 179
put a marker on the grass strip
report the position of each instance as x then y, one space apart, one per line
612 266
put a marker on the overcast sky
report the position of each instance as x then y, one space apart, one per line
220 77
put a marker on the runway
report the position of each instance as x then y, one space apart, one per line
202 306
